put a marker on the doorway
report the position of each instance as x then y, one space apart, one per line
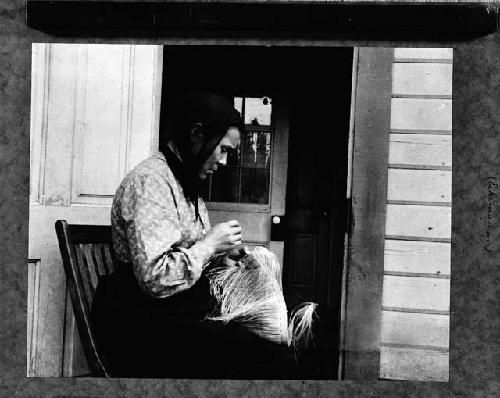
309 92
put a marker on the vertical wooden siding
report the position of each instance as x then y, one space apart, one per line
416 291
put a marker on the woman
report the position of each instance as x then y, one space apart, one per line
148 316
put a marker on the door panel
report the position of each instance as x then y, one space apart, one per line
88 135
256 226
303 261
316 205
118 91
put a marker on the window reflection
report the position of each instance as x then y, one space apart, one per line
238 104
256 149
246 178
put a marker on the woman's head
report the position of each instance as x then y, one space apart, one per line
229 142
205 127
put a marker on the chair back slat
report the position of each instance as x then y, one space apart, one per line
94 269
84 278
90 269
75 282
108 255
82 248
99 262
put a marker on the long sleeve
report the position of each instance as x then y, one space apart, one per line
166 259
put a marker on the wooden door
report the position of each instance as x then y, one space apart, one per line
95 115
316 207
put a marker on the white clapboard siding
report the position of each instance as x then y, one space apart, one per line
432 258
432 186
405 328
423 54
413 364
416 286
421 79
421 114
416 293
425 222
420 150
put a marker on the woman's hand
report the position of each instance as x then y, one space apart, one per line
222 236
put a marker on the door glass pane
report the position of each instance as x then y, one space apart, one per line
258 111
254 185
246 177
238 104
256 149
225 185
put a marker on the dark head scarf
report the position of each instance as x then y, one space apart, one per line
216 115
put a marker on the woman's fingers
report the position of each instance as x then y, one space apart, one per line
229 233
235 227
237 238
236 230
234 240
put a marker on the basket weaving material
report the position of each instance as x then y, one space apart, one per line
246 287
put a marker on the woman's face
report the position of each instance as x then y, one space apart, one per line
218 157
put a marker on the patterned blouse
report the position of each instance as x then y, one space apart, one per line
154 228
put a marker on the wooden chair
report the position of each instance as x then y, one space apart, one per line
87 255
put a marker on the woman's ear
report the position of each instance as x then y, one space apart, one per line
196 134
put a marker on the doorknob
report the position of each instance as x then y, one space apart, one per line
278 228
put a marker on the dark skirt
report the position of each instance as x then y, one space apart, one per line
147 337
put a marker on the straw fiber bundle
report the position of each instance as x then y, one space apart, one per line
246 287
